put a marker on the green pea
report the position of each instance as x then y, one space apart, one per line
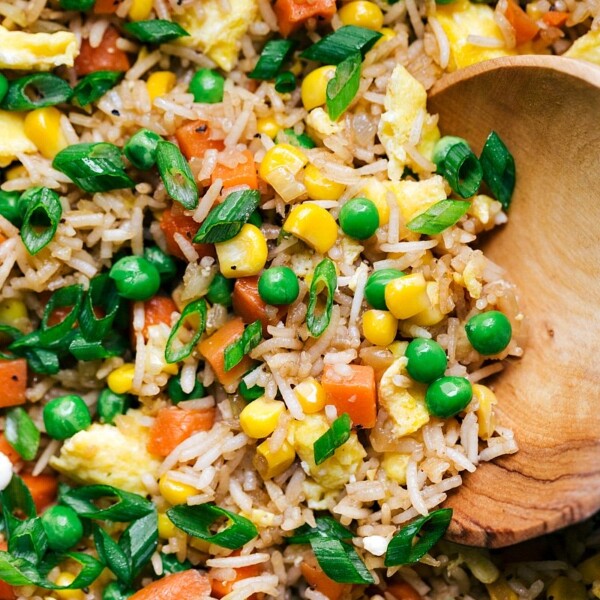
489 332
177 395
207 86
220 290
375 288
9 207
447 396
3 86
278 285
249 394
301 140
164 263
65 416
141 149
359 218
255 219
135 277
63 528
427 360
113 591
111 405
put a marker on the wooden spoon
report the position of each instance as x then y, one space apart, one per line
547 111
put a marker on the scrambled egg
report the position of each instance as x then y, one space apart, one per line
105 454
36 51
320 125
405 100
587 47
216 32
13 139
395 464
406 406
461 19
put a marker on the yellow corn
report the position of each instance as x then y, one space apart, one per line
175 492
160 83
296 68
120 381
243 255
311 395
314 87
563 588
270 464
377 192
387 34
407 296
140 10
14 313
15 173
313 225
485 412
289 157
42 127
259 418
432 315
362 14
65 578
166 529
500 590
319 187
398 349
379 327
590 569
267 126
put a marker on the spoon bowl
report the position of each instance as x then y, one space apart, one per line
546 110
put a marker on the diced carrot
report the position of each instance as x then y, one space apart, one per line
213 350
291 14
222 588
106 57
242 174
319 581
188 585
157 310
555 18
524 26
13 382
174 425
8 450
2 238
43 489
106 7
354 394
250 306
173 221
403 591
7 592
194 139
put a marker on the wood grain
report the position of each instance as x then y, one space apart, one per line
547 110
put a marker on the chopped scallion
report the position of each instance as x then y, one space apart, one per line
234 353
324 277
339 45
196 310
93 86
340 561
99 308
343 86
285 82
440 216
498 167
36 91
68 297
458 165
176 174
43 211
21 433
325 526
78 5
337 435
155 31
272 58
28 541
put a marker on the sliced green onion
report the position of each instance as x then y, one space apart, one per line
337 435
227 219
42 215
326 527
36 91
339 45
156 31
301 140
458 165
94 167
404 550
79 5
164 263
70 296
272 58
343 86
324 277
176 175
140 149
127 507
17 503
198 520
340 561
44 362
93 86
285 82
249 394
111 554
9 207
28 540
498 167
114 344
139 541
102 294
21 433
440 216
171 565
196 308
234 353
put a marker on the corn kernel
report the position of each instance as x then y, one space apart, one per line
432 315
296 68
319 187
398 349
311 396
140 10
407 296
166 528
160 83
387 34
16 172
289 157
199 544
563 588
590 569
267 126
313 225
500 590
377 192
243 255
485 412
314 87
120 381
259 418
173 368
379 327
42 127
65 578
271 464
361 14
175 492
14 313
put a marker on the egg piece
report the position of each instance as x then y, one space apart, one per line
218 32
110 455
320 125
13 140
405 406
415 197
36 51
462 19
335 472
587 47
395 465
